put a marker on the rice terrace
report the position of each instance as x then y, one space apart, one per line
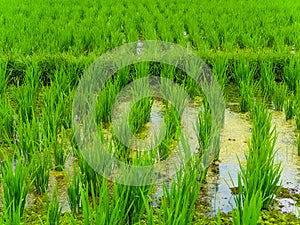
149 112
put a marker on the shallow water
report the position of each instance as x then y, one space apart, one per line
234 137
236 133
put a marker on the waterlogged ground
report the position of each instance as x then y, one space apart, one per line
216 193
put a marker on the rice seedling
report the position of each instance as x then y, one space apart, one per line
247 96
289 107
108 210
279 96
203 126
105 102
244 76
25 98
267 79
74 196
257 182
178 203
41 171
298 144
28 137
60 152
15 187
219 69
140 114
259 179
3 78
7 121
248 208
86 209
89 176
291 73
53 209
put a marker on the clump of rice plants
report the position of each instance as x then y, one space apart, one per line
178 202
203 126
73 191
248 209
53 209
110 209
267 79
41 171
291 73
279 96
7 121
289 107
244 76
15 187
298 144
28 136
60 152
262 153
220 67
3 78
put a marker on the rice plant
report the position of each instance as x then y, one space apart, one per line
248 208
279 96
60 152
7 121
110 209
25 98
219 69
267 78
178 203
28 136
291 73
105 102
3 78
261 174
41 171
73 191
53 209
15 187
289 107
298 144
244 76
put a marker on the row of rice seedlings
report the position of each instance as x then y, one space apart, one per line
217 32
244 76
14 177
257 182
262 151
53 209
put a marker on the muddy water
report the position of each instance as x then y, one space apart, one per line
236 133
234 137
